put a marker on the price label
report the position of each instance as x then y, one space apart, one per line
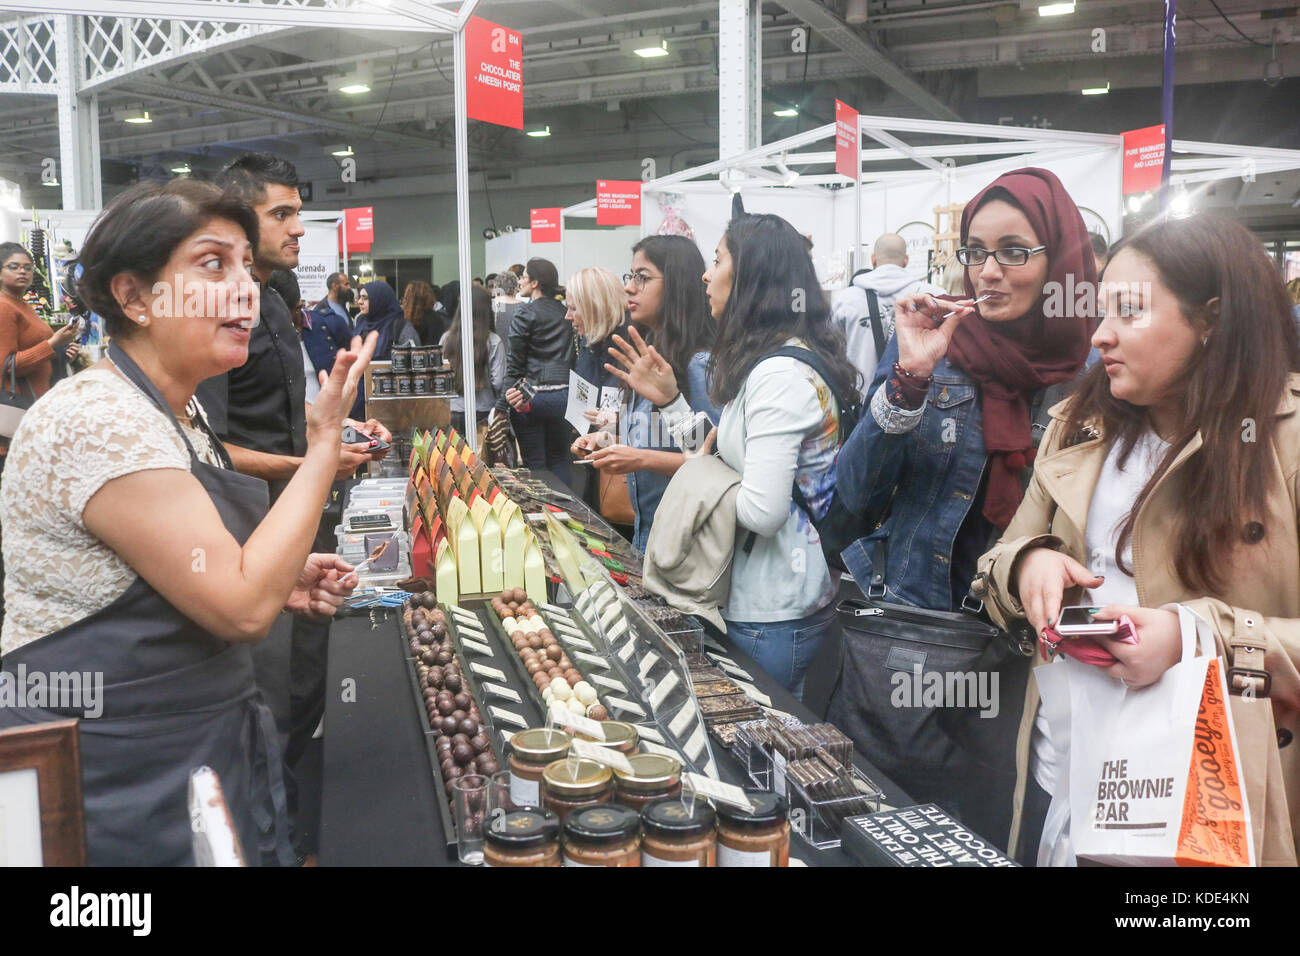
618 703
508 716
573 641
754 693
735 670
647 662
710 642
618 629
496 690
557 611
683 719
602 755
652 748
608 615
463 615
625 653
476 647
483 670
564 717
695 745
507 736
592 659
664 688
778 772
649 732
600 680
717 790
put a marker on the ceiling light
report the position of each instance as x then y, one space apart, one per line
182 170
1181 204
342 150
354 83
1134 204
540 132
786 111
1055 9
139 117
49 182
352 89
1096 89
645 47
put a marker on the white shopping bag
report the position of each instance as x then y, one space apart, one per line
1130 765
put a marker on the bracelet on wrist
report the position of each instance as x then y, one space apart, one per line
666 404
913 377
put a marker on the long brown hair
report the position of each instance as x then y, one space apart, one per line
482 306
417 301
775 296
1235 380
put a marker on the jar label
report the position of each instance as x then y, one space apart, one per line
570 861
525 792
648 860
729 857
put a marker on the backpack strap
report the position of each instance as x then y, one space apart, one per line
877 323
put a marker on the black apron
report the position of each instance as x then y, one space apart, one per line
175 698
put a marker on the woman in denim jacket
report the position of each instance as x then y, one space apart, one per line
937 463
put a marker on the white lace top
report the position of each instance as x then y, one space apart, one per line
83 433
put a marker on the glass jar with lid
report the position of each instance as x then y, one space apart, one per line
678 833
653 777
527 836
759 836
602 835
619 736
530 752
419 358
568 784
401 358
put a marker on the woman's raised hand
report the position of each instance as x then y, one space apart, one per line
644 370
339 390
922 331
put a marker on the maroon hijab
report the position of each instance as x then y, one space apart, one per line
1011 361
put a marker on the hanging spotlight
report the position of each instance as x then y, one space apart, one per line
137 117
540 132
786 112
341 151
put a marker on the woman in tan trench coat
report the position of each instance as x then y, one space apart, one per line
1172 476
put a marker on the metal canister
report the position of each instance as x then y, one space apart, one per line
401 358
419 358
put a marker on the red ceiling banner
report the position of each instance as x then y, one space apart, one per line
618 202
359 224
848 142
545 224
1144 157
494 82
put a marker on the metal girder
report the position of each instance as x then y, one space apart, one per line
827 24
239 104
79 171
893 142
740 75
28 61
344 14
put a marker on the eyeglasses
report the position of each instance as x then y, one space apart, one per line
1010 256
19 267
639 279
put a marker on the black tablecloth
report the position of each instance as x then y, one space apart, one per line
378 804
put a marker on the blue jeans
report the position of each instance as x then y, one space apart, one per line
784 648
544 434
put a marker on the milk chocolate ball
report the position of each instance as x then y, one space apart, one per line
451 682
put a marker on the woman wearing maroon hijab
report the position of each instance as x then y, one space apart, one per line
936 467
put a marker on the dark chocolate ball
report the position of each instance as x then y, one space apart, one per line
429 657
451 682
468 727
479 742
439 631
435 676
441 657
445 706
448 725
463 700
459 715
462 754
488 767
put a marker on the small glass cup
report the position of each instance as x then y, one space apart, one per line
498 795
470 796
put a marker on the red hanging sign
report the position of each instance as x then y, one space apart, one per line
618 202
848 142
545 224
494 83
1144 157
359 224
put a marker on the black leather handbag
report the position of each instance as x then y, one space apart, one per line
13 404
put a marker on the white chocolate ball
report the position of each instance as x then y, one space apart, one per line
560 688
585 692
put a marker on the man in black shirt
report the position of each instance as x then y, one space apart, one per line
259 411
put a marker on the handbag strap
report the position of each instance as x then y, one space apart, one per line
877 326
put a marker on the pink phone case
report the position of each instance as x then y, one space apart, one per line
1091 650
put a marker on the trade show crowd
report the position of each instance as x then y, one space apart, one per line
992 459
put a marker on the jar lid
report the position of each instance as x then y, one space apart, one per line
576 778
673 818
602 823
650 772
618 735
522 828
768 808
540 744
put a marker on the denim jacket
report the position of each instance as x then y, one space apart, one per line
643 428
933 475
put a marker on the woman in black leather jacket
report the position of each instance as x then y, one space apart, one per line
541 352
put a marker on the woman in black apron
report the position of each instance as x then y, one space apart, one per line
175 696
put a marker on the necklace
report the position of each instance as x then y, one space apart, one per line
187 419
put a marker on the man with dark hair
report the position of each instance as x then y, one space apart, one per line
259 412
337 295
1100 251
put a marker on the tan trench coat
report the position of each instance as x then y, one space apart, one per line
1258 610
